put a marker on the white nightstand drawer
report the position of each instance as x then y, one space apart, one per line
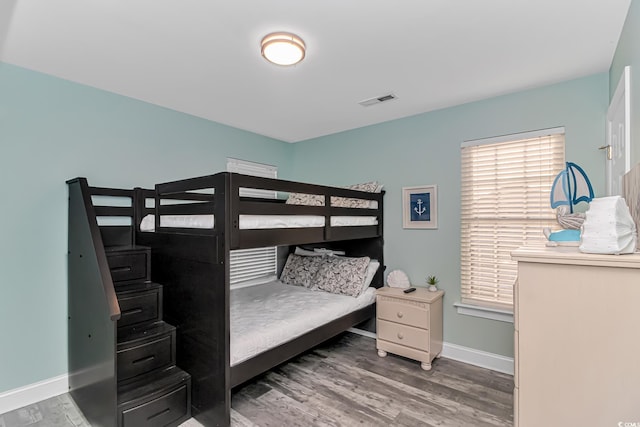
404 335
414 313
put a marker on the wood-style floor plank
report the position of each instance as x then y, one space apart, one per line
346 381
341 383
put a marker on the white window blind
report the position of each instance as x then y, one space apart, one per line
506 183
254 169
252 264
260 263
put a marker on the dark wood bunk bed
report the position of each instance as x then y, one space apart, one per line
193 266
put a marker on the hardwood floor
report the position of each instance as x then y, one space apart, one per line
58 411
343 383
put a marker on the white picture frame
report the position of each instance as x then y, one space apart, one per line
420 207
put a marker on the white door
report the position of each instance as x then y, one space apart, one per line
618 158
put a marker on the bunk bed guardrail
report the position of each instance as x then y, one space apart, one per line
203 195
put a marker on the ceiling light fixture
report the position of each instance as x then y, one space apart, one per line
283 48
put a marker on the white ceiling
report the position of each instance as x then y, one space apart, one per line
202 57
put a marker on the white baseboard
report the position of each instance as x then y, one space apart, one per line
362 332
495 362
32 393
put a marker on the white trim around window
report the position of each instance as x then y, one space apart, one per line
484 312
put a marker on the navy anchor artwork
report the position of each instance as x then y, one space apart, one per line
420 207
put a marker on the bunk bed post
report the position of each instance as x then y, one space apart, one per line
233 210
223 210
194 269
138 210
327 217
216 410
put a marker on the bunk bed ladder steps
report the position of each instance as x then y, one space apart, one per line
152 390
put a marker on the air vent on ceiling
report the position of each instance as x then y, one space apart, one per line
377 100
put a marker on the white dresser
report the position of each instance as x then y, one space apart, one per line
577 338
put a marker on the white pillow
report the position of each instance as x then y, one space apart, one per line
323 251
373 266
306 252
317 252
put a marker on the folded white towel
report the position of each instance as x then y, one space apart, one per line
608 227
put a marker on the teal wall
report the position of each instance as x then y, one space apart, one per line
628 53
52 130
425 149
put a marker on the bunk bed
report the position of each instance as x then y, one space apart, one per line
192 225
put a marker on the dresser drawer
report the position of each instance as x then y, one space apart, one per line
162 411
140 306
407 312
403 335
128 266
146 357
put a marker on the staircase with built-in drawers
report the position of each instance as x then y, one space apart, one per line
122 354
152 391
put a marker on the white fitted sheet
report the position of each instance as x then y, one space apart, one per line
249 222
267 315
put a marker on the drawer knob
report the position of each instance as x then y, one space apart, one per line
400 336
400 314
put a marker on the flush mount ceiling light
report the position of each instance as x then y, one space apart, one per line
283 48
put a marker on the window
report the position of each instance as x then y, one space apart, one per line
249 265
506 183
252 265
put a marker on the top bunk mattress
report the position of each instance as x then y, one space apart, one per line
267 315
253 222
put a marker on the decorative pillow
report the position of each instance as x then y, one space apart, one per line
341 275
370 187
347 202
342 202
305 199
300 270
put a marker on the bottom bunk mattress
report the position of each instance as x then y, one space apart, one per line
270 314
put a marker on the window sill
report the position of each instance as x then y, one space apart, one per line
484 312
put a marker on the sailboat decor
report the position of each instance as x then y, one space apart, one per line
570 187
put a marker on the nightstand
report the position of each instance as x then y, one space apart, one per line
409 325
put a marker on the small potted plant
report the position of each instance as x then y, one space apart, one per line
432 281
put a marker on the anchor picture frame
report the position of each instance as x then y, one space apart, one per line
420 207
